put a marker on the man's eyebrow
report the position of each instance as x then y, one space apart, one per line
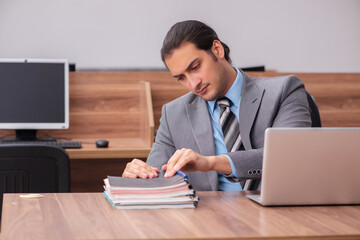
188 67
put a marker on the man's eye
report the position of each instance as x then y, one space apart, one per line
196 67
180 78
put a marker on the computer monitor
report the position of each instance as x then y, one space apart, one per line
34 94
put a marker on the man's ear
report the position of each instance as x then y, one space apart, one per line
218 49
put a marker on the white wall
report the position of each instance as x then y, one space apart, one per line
284 35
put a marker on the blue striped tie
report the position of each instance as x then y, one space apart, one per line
231 131
229 125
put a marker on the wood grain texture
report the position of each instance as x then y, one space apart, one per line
147 114
111 96
337 94
220 215
87 174
110 105
104 106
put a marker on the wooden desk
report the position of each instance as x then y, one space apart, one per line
220 215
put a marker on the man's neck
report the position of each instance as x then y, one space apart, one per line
231 74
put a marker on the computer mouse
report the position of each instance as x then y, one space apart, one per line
102 143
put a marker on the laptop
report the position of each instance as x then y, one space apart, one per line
310 166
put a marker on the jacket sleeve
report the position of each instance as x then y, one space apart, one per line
284 104
163 147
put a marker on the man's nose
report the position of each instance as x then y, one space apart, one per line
194 81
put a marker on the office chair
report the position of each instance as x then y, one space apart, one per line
33 169
315 114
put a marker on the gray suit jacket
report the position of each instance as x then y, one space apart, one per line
265 102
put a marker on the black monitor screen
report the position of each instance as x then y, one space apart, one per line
32 92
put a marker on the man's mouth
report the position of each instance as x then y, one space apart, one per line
203 89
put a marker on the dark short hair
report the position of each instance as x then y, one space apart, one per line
192 31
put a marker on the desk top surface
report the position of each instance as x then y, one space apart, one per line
118 148
219 215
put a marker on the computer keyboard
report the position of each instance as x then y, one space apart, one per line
63 144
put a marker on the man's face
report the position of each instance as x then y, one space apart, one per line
199 71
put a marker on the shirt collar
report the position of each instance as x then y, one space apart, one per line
234 93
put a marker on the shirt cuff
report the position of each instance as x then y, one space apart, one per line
233 173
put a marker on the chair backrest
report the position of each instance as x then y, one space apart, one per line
315 114
33 169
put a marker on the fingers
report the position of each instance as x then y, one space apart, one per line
169 167
183 158
138 168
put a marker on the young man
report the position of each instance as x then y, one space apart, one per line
192 128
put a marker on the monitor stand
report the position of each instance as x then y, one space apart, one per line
30 135
27 135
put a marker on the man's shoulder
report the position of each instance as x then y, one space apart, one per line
274 82
276 79
186 98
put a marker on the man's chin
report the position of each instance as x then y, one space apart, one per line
206 96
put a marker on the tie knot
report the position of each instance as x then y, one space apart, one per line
223 102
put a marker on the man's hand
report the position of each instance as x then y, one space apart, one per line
188 160
137 168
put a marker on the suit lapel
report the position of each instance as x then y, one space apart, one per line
200 123
249 105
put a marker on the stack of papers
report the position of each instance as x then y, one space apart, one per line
151 193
